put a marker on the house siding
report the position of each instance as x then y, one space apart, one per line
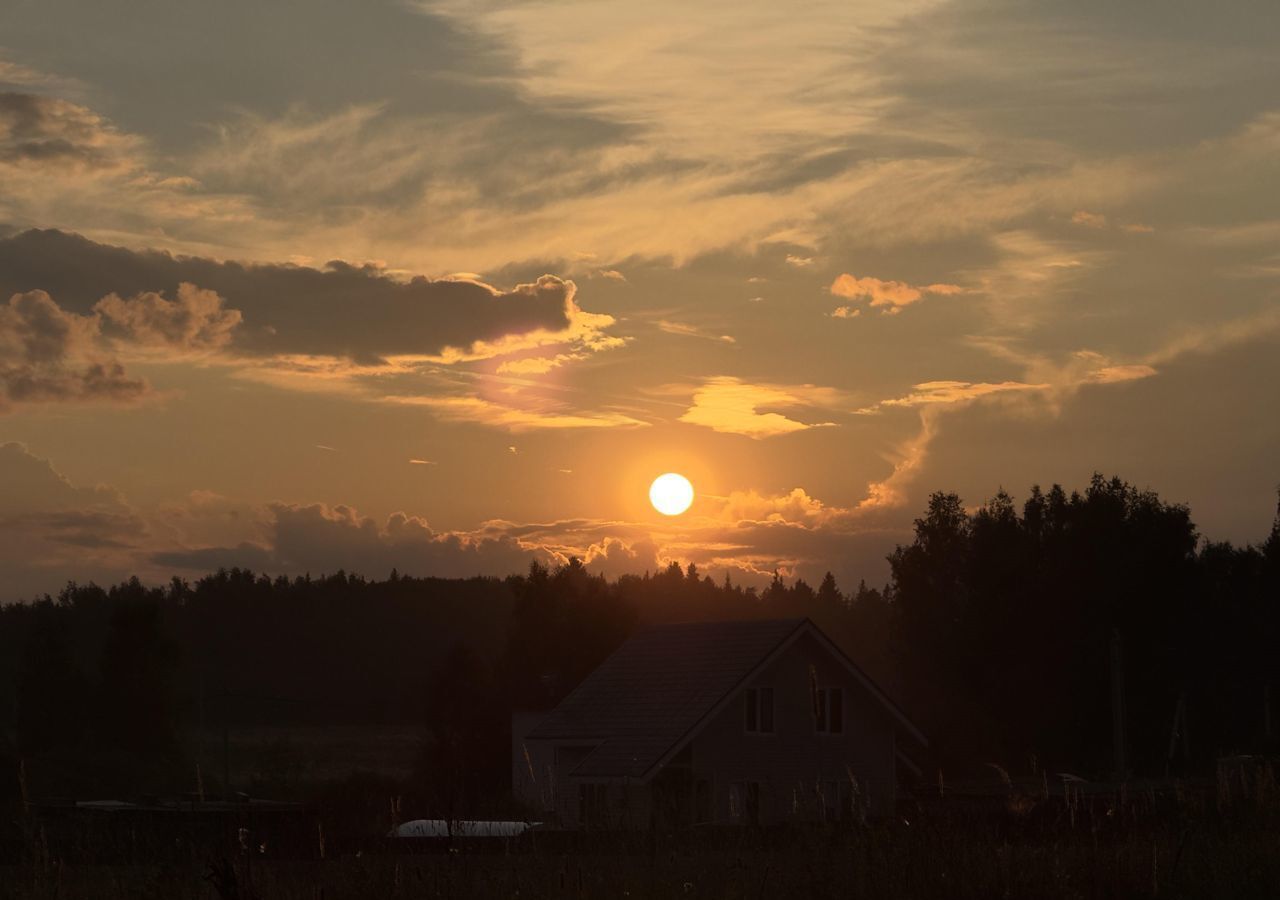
800 773
793 763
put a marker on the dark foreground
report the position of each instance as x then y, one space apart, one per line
1134 843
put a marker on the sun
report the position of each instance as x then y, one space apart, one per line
671 494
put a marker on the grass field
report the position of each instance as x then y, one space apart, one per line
1212 842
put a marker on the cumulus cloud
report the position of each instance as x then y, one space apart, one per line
615 556
889 296
732 406
48 355
319 538
54 530
357 331
361 313
196 320
795 507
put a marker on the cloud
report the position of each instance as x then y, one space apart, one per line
196 320
356 331
511 418
52 530
889 296
48 355
37 131
951 392
14 74
29 483
318 538
749 534
1088 219
908 460
686 330
729 405
1115 374
537 365
614 556
794 507
357 312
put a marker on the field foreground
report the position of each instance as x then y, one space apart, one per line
1127 844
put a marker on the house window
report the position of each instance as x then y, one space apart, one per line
829 710
759 711
744 802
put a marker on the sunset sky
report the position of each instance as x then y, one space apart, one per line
444 285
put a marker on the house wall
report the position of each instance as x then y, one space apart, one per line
793 762
623 805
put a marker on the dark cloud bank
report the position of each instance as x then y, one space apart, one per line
357 312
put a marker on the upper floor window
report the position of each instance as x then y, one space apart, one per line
759 710
829 709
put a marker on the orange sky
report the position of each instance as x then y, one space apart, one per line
443 286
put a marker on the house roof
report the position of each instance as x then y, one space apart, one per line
646 701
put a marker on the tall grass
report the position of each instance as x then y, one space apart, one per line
1171 840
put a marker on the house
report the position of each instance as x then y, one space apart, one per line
715 722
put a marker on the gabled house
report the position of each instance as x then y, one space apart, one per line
715 722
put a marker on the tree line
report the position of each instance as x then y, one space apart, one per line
1002 630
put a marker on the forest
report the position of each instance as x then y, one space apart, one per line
996 632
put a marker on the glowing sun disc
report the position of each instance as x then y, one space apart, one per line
671 494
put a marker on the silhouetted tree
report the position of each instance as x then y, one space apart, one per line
52 691
135 705
467 758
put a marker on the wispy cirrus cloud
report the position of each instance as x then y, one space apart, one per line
931 393
684 329
41 132
514 418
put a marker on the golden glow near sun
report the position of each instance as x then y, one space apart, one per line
671 494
